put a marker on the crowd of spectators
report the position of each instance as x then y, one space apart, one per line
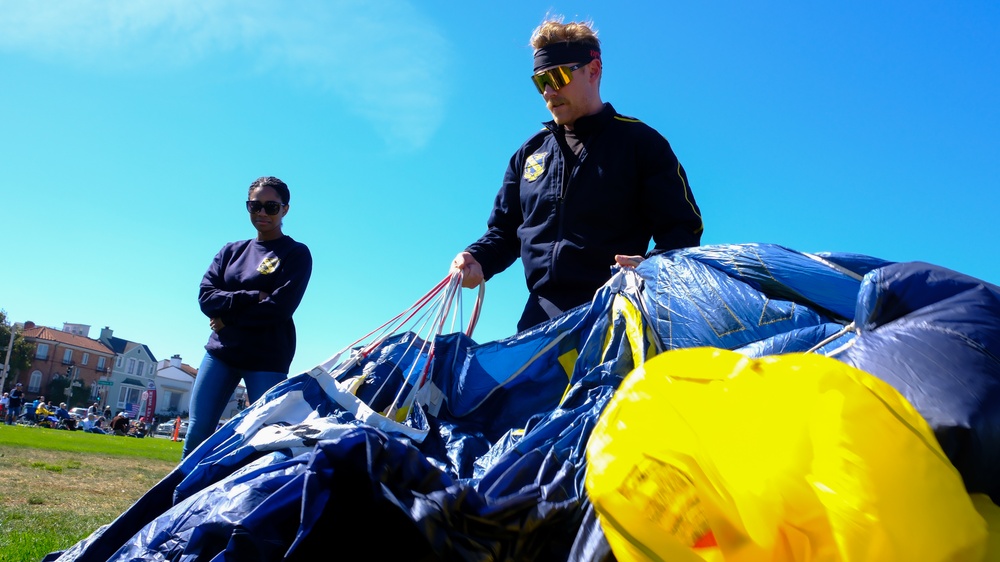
42 413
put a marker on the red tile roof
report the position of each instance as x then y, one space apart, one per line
50 334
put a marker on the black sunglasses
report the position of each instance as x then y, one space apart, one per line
270 207
556 77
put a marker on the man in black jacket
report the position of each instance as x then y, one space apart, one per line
16 400
588 191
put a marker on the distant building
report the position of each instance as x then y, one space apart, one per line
81 360
133 372
174 380
78 329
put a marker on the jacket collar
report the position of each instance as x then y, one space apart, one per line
585 126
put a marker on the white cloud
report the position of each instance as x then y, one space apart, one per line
384 60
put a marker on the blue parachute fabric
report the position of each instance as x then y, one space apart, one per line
500 385
490 466
859 264
332 498
825 282
396 363
469 373
527 503
278 421
729 297
223 516
799 340
934 335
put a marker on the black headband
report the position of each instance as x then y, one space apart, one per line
563 53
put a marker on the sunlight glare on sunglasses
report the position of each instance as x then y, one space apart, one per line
270 207
556 77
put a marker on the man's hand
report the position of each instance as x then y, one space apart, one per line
216 324
472 272
628 261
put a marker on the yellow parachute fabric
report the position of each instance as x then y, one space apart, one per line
705 454
991 513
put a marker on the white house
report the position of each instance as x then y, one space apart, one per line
173 387
174 380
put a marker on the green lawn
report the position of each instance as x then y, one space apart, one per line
57 487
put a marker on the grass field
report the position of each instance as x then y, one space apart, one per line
57 487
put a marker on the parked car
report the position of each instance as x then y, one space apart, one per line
167 428
78 413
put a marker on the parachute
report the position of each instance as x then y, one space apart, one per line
430 445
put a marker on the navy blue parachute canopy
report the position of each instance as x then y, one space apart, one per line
460 450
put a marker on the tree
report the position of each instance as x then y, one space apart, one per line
80 396
56 389
21 354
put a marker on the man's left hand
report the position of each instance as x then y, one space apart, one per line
628 261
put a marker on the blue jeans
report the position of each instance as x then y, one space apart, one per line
213 387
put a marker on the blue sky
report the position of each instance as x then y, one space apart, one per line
130 130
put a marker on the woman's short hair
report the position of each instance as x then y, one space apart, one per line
275 184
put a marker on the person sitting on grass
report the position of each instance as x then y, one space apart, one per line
142 428
119 424
89 424
64 418
137 429
43 413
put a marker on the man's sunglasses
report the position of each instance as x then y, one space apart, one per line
556 77
270 207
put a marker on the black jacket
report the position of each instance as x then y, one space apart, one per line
567 217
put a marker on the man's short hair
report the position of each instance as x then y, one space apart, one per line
554 31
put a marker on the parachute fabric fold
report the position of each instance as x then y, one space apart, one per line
789 458
934 335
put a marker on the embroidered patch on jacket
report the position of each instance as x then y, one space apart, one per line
268 265
535 166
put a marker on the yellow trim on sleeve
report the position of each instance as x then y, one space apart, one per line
687 192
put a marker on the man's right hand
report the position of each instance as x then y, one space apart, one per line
472 272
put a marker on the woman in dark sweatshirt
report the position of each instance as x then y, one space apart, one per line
249 294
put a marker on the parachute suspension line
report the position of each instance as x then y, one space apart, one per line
555 341
839 268
843 331
456 279
452 290
457 314
476 309
386 329
843 348
452 294
427 317
439 316
413 310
